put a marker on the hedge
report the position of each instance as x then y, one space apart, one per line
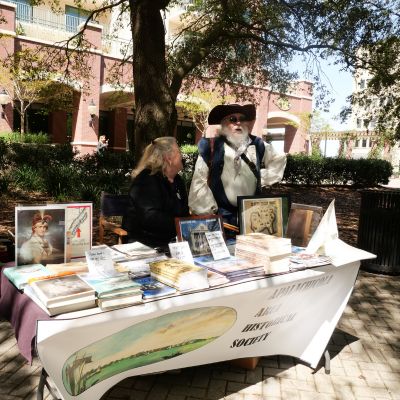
55 170
303 170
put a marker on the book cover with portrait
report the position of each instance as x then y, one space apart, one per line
40 234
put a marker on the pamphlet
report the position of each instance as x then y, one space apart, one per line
217 244
100 262
181 251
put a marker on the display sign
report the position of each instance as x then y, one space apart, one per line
292 314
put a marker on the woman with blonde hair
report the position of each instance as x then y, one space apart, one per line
157 194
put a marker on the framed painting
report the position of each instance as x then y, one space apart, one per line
302 223
263 214
193 230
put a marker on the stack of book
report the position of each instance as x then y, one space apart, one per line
179 274
271 252
232 268
135 250
115 291
58 295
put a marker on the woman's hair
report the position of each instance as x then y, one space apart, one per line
153 156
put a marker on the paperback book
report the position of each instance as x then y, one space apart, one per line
111 303
20 275
303 260
179 274
138 268
111 286
73 266
233 268
216 279
153 288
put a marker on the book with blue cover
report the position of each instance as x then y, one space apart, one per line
153 288
20 275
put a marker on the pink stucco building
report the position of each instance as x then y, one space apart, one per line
103 109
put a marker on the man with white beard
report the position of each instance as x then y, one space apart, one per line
235 163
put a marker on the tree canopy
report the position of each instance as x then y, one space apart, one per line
246 42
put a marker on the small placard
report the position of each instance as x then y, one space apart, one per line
100 262
181 251
217 244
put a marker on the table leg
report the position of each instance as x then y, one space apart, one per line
43 382
327 362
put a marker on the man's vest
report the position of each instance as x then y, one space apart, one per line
212 151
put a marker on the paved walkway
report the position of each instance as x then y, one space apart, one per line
365 351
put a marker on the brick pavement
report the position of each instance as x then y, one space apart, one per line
365 351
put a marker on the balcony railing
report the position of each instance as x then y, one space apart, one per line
43 24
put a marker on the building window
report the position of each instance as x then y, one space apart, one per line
364 143
24 10
362 84
74 17
359 122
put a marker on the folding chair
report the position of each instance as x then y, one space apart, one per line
111 207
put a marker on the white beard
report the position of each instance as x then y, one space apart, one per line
236 138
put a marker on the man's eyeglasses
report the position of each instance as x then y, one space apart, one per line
234 119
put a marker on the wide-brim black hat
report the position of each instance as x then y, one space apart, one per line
218 113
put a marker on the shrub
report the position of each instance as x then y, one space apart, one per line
189 157
27 177
306 170
17 137
39 155
61 179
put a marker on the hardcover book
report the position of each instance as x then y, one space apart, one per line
152 288
54 291
20 275
302 223
62 307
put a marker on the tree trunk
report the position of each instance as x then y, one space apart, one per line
155 112
22 114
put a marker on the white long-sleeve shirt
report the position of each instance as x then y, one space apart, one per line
201 199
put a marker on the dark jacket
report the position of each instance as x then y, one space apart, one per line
154 204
